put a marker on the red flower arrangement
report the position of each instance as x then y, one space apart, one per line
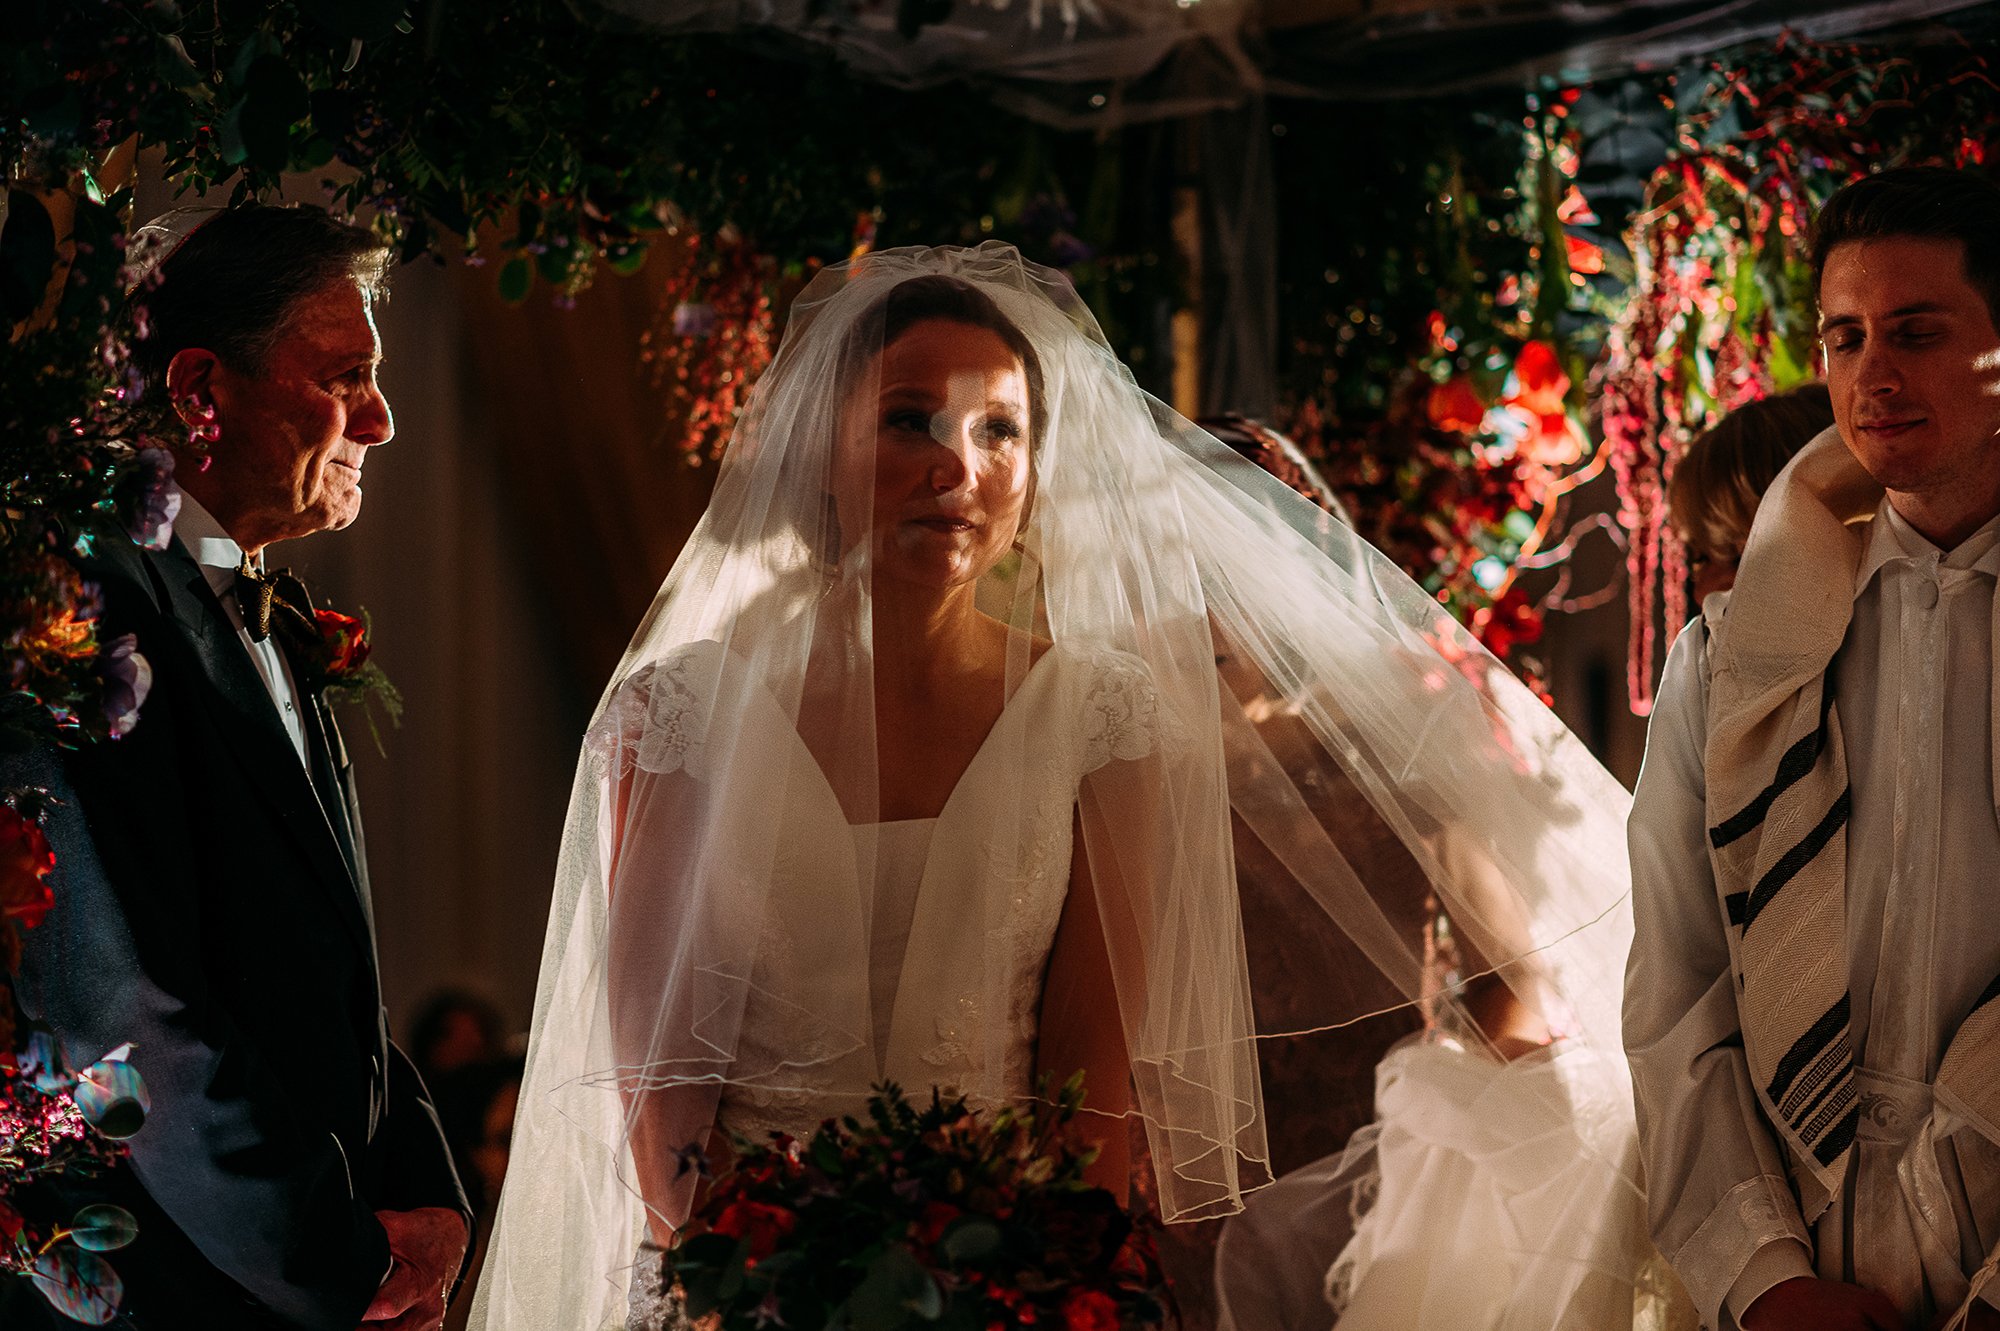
943 1217
54 1121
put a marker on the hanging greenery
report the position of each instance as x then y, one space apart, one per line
1437 356
1721 310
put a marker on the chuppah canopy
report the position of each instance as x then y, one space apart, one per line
1097 64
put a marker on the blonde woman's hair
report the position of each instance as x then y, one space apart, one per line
1720 479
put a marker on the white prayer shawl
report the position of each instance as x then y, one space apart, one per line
1778 800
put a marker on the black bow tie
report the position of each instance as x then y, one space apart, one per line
274 601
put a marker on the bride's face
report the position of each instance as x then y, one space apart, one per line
941 456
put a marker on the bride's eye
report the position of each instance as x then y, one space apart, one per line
915 422
1003 430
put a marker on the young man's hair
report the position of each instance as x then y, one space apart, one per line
231 285
1925 202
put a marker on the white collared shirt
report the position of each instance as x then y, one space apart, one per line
1914 692
219 556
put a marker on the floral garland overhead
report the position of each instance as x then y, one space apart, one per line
1443 394
1721 310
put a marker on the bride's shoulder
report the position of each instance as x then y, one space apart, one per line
1116 698
651 717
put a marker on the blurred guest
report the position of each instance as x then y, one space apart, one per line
1721 478
455 1028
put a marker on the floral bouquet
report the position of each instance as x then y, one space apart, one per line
55 1122
942 1217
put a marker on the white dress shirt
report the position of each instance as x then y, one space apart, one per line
1915 698
220 556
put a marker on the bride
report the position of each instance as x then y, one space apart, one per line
922 768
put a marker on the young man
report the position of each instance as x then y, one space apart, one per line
211 888
1814 838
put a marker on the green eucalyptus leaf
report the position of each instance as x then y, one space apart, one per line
257 46
272 81
515 279
896 1292
266 135
230 142
103 1228
78 1284
554 264
971 1240
313 154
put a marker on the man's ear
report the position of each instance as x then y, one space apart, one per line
190 380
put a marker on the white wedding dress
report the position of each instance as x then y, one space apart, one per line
727 939
959 912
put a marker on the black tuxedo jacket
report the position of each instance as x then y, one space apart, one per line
211 907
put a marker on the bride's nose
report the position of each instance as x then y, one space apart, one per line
951 461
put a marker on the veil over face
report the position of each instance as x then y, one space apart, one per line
1298 692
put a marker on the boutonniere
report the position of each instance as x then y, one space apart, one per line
339 668
330 651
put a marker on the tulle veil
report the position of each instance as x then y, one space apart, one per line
1310 700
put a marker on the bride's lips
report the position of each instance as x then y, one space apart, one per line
943 523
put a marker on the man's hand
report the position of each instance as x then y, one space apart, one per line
1805 1304
427 1246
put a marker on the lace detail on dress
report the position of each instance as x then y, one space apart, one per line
1121 713
654 721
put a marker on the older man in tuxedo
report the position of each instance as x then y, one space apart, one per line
212 901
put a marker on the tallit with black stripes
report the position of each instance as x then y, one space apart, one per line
1778 807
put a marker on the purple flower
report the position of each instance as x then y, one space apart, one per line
158 502
128 678
694 318
1068 250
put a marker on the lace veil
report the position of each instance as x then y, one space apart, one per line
1283 686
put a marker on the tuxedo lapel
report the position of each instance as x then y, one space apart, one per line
253 732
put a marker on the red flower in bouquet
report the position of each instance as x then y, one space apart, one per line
346 640
760 1224
25 862
936 1219
1090 1310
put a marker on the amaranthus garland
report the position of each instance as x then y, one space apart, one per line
1721 310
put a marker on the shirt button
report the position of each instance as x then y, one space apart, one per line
1927 594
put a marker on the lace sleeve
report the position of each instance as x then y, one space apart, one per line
1121 710
655 719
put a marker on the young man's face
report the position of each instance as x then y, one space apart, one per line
1913 363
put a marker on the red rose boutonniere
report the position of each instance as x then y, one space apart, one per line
338 667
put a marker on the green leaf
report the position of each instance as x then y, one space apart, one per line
273 82
78 1284
630 262
971 1240
896 1292
103 1228
554 264
515 279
